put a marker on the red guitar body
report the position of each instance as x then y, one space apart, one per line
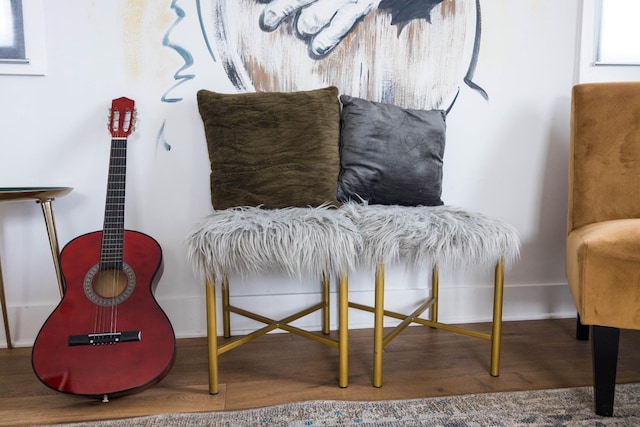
109 369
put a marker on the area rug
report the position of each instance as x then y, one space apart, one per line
560 407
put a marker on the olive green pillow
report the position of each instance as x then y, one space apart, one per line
272 149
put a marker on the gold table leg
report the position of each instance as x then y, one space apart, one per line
49 220
5 317
44 196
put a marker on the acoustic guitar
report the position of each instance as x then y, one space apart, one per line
108 337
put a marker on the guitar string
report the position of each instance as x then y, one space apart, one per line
120 172
106 317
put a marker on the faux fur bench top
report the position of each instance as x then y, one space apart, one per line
302 241
296 241
450 236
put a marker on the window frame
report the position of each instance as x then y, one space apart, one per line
17 51
586 70
599 57
33 59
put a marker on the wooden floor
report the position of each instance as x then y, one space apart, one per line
280 368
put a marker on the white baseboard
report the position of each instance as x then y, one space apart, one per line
459 304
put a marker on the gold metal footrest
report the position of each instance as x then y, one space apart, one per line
380 340
276 324
216 349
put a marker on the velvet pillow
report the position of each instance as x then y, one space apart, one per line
390 155
272 149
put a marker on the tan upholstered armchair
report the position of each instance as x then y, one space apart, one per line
603 240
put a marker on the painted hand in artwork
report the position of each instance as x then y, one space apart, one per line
323 23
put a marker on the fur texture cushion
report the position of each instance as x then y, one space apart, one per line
452 237
297 241
272 149
390 155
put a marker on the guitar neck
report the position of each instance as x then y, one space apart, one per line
113 230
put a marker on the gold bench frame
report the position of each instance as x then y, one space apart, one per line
380 340
215 349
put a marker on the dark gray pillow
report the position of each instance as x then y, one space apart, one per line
390 155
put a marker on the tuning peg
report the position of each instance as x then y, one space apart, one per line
134 120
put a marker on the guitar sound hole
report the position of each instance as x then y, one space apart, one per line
109 287
110 283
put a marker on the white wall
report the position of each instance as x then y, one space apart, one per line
506 157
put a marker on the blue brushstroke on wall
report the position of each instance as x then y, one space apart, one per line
184 53
204 31
180 77
161 140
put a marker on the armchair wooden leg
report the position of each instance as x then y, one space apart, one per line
582 331
604 344
212 337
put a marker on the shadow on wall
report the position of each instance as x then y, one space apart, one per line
528 177
545 249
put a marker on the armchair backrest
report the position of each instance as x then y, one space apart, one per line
604 161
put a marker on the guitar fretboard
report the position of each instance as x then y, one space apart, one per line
113 230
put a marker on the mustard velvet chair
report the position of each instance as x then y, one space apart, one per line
274 165
603 240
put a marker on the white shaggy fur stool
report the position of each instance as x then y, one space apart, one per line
296 241
449 236
318 241
438 236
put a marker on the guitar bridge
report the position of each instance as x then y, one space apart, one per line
104 338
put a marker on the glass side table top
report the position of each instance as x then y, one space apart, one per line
35 193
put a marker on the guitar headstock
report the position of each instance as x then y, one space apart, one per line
122 117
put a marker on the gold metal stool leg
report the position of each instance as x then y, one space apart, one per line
378 326
496 332
5 317
343 331
326 327
212 337
49 220
226 313
435 281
